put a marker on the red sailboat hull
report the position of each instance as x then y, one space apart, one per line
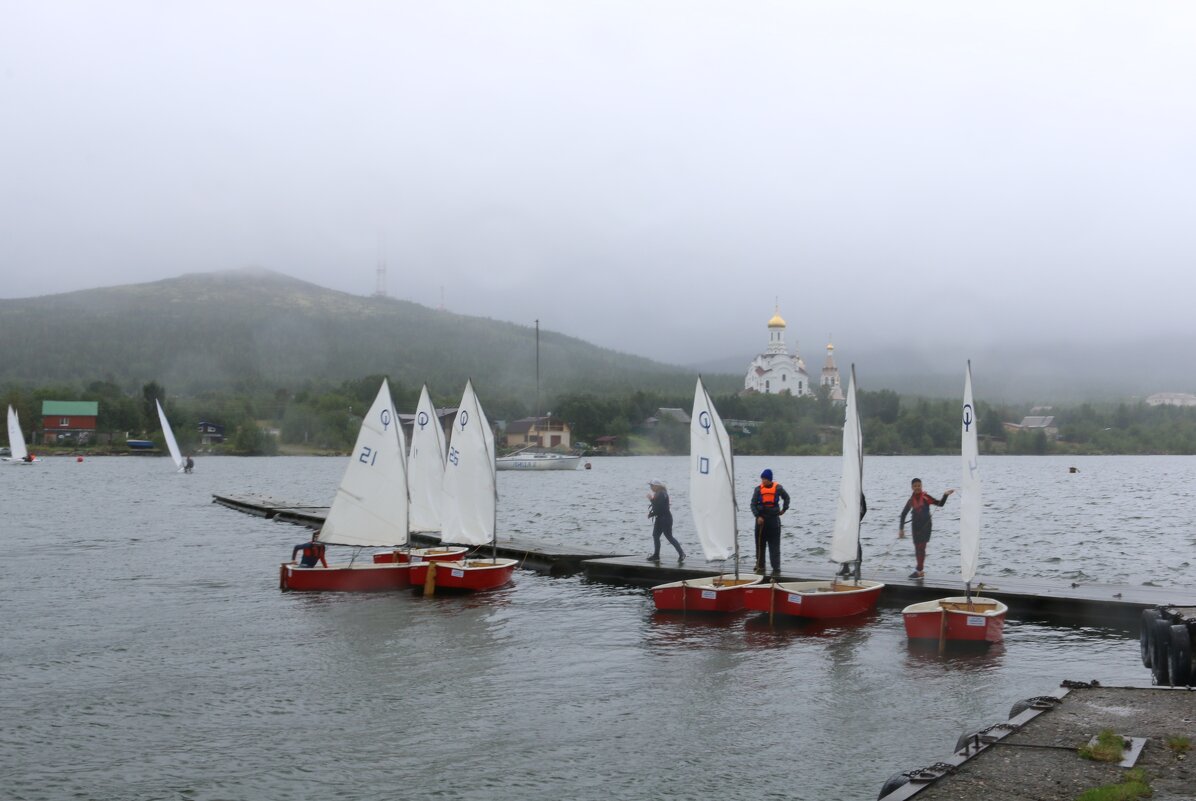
472 575
720 594
814 599
981 620
365 577
416 555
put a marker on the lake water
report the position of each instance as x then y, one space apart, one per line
148 654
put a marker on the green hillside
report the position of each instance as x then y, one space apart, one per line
254 328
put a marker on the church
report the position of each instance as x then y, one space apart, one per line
776 370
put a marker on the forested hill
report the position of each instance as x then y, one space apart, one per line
220 331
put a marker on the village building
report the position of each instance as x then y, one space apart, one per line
69 421
539 432
777 371
210 433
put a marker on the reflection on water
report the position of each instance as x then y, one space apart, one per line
148 652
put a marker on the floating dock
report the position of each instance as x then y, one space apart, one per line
530 555
1107 605
1035 754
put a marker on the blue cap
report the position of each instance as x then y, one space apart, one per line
767 474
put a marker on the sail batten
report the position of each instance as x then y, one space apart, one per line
371 505
168 433
846 538
470 489
969 487
425 467
711 479
16 440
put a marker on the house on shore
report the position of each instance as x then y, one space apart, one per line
69 421
539 432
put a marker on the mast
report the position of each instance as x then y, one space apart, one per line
539 439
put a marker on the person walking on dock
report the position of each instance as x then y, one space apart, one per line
918 510
769 502
662 516
313 551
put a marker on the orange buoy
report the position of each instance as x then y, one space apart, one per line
78 458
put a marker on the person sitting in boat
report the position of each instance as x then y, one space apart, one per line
29 457
190 465
313 552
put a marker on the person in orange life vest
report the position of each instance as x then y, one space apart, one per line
313 551
769 502
918 509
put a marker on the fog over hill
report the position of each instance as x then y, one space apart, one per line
216 331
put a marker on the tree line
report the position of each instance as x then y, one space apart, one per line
323 417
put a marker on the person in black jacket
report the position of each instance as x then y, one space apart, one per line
769 502
662 516
918 509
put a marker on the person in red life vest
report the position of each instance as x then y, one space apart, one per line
769 502
313 552
918 509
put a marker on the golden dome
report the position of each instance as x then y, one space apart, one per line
777 321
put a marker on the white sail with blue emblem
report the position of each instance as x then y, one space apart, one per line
845 542
171 443
470 490
969 487
371 504
425 466
711 479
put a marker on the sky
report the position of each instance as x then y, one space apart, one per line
654 177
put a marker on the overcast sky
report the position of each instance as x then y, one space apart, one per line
650 176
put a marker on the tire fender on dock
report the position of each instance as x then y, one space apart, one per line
1160 635
1179 661
1145 634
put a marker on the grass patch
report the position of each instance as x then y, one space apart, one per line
1178 744
1109 747
1132 787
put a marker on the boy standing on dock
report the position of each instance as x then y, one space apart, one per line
918 508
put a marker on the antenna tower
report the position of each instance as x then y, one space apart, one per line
380 284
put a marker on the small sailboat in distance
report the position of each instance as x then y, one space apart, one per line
834 598
712 499
18 452
969 618
168 434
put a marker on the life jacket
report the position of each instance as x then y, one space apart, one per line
768 495
312 551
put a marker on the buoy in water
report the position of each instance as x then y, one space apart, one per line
587 465
78 458
1073 469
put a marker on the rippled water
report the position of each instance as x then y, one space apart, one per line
148 653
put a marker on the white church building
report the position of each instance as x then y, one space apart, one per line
776 370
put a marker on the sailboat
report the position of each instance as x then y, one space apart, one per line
425 483
171 444
532 457
470 506
370 510
834 598
18 453
968 618
712 498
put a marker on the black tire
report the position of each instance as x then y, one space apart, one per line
1179 662
892 783
1149 616
1019 707
964 741
1160 635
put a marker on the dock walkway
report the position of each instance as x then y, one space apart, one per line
1112 605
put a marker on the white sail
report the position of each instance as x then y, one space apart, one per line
846 539
16 440
171 443
370 507
470 492
711 479
969 488
425 467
